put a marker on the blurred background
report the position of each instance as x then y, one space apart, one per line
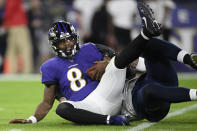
24 27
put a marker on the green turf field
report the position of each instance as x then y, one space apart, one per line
19 100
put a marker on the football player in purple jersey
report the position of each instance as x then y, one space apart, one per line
84 99
99 102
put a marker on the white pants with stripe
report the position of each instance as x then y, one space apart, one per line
107 98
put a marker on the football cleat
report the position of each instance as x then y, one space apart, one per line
119 120
194 60
150 26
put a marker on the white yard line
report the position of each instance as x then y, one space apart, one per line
37 77
20 77
187 76
1 109
172 114
15 130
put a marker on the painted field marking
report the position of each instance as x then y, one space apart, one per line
20 77
37 77
1 109
172 114
15 130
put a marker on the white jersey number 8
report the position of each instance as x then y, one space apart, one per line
74 75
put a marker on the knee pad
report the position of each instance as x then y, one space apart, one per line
63 108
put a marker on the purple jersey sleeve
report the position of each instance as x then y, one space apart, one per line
48 72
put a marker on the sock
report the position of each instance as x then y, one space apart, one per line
193 94
131 52
144 35
187 60
183 57
108 119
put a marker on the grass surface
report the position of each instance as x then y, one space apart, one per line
19 100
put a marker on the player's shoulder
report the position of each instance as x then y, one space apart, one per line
88 45
88 48
53 62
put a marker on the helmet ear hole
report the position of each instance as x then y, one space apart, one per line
59 31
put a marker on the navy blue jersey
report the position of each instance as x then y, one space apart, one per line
71 76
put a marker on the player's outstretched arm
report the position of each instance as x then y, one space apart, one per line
42 109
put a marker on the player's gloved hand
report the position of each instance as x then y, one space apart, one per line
20 121
97 70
